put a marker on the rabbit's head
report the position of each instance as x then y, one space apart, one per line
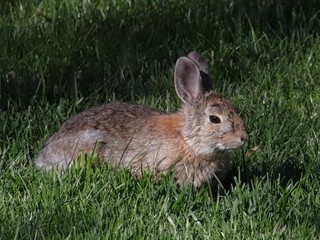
211 124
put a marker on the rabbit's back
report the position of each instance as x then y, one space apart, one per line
109 116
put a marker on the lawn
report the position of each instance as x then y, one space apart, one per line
58 58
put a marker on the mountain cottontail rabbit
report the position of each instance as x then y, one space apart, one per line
194 143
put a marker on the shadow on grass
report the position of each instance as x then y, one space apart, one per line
287 171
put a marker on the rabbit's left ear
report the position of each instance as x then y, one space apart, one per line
187 80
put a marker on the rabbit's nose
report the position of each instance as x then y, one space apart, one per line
243 136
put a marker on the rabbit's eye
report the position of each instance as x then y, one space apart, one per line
214 119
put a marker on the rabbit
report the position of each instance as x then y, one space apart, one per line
194 142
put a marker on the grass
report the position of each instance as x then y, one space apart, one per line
61 57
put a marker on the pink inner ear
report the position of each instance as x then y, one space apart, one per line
190 97
187 80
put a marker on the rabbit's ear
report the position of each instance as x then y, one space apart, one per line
187 80
200 61
204 70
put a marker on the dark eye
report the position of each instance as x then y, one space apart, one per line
214 119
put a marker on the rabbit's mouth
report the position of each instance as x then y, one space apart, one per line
232 141
230 146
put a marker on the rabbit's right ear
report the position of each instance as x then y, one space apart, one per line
187 80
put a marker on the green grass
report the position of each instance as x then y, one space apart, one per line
61 57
